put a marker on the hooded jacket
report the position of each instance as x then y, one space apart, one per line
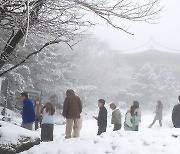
72 107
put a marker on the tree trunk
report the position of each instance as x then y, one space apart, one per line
12 43
8 50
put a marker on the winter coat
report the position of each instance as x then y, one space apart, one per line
28 114
37 109
116 117
102 117
72 107
176 115
130 122
159 110
47 118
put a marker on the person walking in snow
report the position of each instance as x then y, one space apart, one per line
38 107
116 117
176 115
28 114
138 117
130 119
72 109
102 117
47 126
159 115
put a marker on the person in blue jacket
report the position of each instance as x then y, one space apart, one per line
28 113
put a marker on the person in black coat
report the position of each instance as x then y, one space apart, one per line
102 117
176 115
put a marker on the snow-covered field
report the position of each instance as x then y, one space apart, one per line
147 141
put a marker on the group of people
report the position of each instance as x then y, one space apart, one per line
72 109
39 114
132 117
43 115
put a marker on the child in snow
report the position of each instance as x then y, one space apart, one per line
130 119
116 117
102 117
47 122
159 110
138 118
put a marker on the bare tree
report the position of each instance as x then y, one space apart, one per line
61 21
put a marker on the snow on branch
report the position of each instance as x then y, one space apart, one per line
56 41
65 19
122 9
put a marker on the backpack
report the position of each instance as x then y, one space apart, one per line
133 120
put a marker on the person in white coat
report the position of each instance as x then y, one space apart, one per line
47 126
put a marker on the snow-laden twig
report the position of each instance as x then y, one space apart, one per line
5 42
56 41
27 29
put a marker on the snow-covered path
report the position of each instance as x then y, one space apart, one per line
146 141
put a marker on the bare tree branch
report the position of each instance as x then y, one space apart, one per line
34 53
65 19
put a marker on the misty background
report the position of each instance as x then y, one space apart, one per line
165 30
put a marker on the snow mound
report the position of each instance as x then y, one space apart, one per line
15 139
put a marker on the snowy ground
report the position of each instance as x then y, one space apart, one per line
13 138
147 141
10 134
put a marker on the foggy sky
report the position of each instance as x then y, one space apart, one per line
166 32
